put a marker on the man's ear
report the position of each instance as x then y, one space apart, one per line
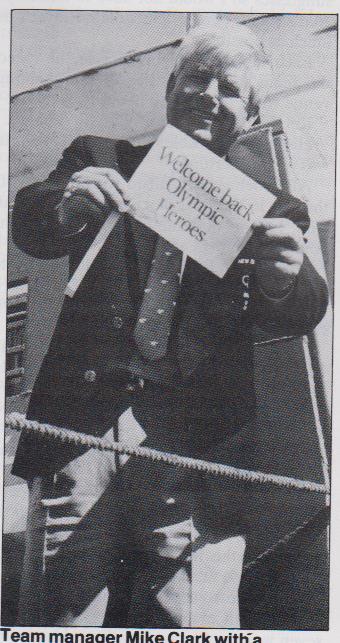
170 85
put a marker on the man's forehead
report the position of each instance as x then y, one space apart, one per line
215 62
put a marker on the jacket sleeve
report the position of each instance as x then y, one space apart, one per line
36 228
300 311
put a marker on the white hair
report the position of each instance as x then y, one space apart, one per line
231 44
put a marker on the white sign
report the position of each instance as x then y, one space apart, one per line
196 200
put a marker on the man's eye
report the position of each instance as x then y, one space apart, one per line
227 89
198 77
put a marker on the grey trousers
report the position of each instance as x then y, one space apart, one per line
118 542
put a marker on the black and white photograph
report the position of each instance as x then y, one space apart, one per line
169 322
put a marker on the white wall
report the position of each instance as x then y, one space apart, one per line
53 44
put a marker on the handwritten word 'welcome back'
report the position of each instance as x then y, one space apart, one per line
180 164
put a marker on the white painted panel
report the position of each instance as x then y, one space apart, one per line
126 101
15 508
309 121
48 44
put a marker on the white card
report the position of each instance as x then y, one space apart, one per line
196 200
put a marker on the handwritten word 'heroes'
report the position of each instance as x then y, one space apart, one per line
168 211
180 164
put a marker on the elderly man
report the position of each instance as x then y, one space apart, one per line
169 545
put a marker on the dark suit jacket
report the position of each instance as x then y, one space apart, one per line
213 329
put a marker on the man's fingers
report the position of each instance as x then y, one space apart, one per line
89 189
109 190
92 174
272 222
101 191
284 235
279 253
282 267
117 180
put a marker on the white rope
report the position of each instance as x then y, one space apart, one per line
17 421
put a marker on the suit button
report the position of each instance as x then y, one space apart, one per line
135 383
90 376
117 322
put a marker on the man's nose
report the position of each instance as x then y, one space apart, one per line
211 89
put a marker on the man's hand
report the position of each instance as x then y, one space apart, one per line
279 247
103 186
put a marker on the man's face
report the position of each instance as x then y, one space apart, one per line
208 101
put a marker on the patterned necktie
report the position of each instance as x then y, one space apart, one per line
158 306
